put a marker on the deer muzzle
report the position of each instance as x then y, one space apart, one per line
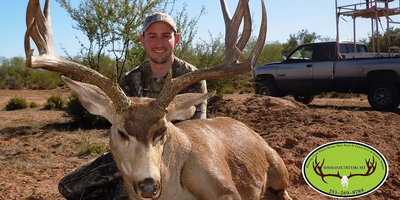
148 188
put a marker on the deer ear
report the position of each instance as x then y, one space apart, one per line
92 98
183 107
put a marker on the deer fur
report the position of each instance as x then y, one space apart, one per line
218 158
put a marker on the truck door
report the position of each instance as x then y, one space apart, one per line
323 66
296 72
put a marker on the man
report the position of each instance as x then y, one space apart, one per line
99 178
159 39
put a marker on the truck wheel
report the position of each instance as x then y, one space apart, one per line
383 96
303 98
268 88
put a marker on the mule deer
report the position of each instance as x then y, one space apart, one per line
218 158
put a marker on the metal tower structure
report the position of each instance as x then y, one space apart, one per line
375 10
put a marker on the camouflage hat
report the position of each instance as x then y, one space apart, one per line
158 17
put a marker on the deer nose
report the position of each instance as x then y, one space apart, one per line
149 188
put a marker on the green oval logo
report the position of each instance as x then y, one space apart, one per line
345 169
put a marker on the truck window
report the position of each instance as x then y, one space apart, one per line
302 53
349 48
362 48
343 48
323 52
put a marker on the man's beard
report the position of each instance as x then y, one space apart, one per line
159 61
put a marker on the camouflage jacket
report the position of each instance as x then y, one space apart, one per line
139 83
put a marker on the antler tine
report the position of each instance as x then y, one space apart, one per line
247 23
39 29
225 13
247 26
230 67
232 29
253 58
42 32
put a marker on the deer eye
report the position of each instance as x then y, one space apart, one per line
161 131
160 135
123 135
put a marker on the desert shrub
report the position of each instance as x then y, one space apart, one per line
91 149
3 84
15 83
87 148
43 80
242 81
221 86
3 77
17 103
54 102
49 106
230 85
33 105
82 117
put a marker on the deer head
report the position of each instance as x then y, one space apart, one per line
141 127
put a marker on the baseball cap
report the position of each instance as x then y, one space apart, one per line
158 17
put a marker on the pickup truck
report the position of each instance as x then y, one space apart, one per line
315 68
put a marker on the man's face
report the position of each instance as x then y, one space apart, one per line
159 40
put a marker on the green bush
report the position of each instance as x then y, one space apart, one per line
221 86
88 148
16 104
33 105
91 149
54 102
49 106
43 80
15 83
82 117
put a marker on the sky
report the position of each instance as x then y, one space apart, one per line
285 17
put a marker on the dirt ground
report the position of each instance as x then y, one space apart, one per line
38 147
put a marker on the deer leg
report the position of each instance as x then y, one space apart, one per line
283 195
278 176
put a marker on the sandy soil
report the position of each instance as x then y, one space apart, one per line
38 147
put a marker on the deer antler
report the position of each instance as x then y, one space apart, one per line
318 170
39 29
371 168
230 67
